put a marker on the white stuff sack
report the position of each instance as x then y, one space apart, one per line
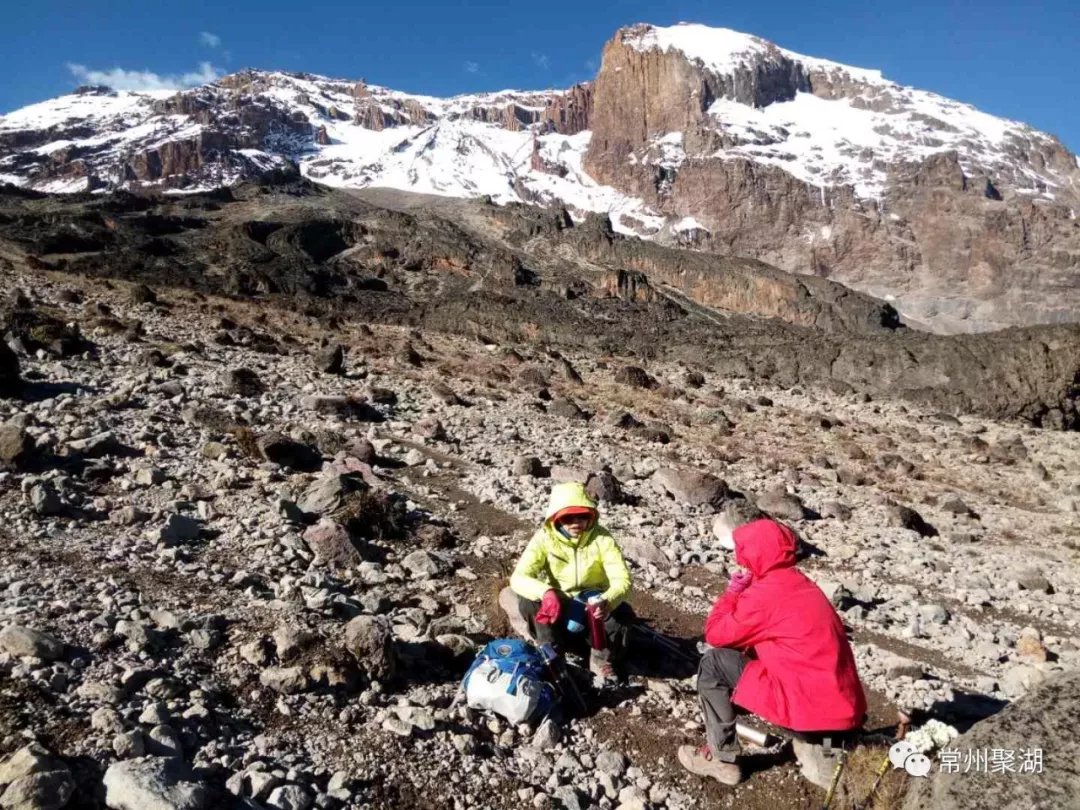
490 689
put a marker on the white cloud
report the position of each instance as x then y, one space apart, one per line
121 79
472 67
541 60
209 40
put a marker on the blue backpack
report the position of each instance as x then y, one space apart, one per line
509 678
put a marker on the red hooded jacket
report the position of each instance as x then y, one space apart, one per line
802 674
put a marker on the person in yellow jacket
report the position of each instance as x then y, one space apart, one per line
569 555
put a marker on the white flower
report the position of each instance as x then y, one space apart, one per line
933 734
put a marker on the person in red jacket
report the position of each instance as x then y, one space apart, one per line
780 645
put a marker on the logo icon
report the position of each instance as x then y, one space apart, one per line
905 755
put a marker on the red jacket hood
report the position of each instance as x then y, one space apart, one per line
763 546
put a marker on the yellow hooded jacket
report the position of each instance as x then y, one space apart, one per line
592 561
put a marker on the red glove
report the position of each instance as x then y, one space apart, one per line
739 582
549 608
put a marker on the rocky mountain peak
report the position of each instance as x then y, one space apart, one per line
689 135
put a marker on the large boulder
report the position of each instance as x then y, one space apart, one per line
691 487
1041 724
155 783
32 779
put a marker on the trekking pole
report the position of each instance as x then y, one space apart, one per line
841 760
561 678
881 771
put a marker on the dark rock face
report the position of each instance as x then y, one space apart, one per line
1044 720
732 318
9 372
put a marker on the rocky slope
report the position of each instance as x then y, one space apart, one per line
250 540
689 135
515 273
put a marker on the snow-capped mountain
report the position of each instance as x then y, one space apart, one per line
697 135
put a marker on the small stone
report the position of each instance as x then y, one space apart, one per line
611 762
547 735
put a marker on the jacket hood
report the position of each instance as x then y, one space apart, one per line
564 496
764 545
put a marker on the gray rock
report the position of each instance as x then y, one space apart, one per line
1043 721
45 790
642 551
547 735
289 797
430 428
370 641
602 486
527 465
164 741
691 487
290 640
129 744
178 529
290 453
45 500
155 783
331 360
836 510
332 545
243 382
907 518
24 641
16 446
286 680
425 563
611 762
781 505
1032 579
328 494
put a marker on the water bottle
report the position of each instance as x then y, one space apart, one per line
597 636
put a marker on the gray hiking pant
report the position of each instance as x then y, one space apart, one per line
718 673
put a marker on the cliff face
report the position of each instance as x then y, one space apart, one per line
977 236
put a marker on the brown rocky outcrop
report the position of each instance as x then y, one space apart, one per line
959 251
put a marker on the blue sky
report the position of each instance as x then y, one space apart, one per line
1009 57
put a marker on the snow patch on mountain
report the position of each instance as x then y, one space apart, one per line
850 139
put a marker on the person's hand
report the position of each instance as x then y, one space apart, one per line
601 608
739 582
550 607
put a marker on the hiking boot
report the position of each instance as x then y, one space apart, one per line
700 761
601 668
